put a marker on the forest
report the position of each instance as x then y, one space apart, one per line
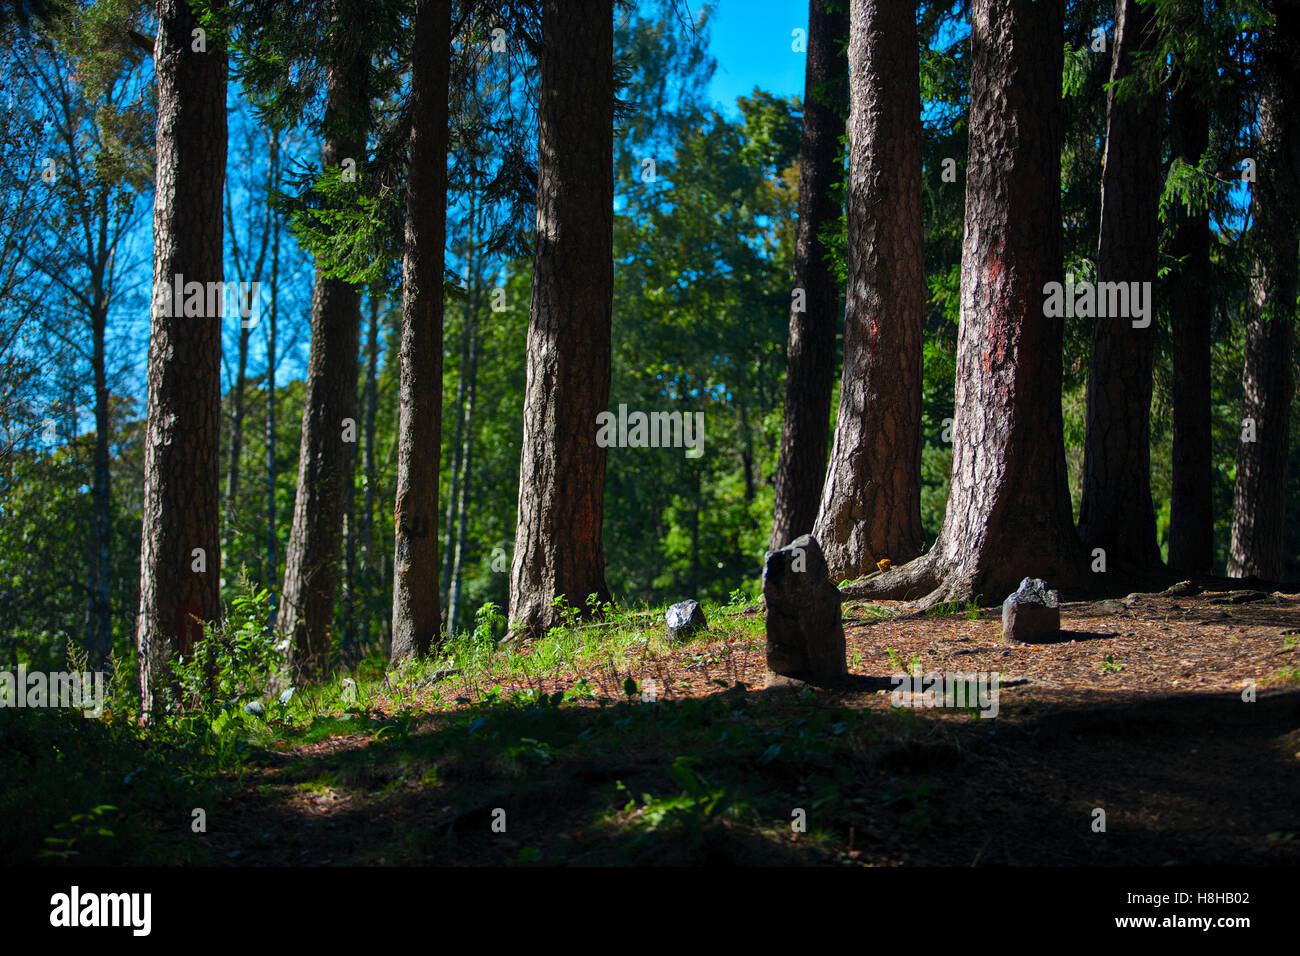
440 420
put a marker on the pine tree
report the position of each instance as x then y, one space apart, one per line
1115 511
1259 498
558 549
1008 513
416 602
871 503
810 355
1191 504
180 551
312 558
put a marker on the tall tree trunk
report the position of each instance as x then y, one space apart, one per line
311 574
453 488
1259 498
238 390
470 373
415 563
746 450
1191 504
271 567
348 602
810 354
1115 512
101 623
182 470
559 550
466 386
1008 512
236 431
871 502
366 523
371 410
694 583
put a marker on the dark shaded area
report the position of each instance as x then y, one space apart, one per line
712 780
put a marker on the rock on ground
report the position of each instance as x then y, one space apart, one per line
1032 614
805 633
684 619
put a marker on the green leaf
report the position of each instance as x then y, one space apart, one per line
685 777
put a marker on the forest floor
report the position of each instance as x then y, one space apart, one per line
1137 710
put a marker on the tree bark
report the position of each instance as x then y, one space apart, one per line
101 623
558 550
871 502
182 447
1259 497
470 373
348 602
311 575
747 450
236 432
1008 513
453 487
238 392
1115 513
369 476
269 572
366 571
416 617
810 354
1191 504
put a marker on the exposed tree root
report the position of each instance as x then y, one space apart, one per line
918 583
904 583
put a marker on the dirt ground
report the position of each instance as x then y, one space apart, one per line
1138 711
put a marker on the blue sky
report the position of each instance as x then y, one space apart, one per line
751 40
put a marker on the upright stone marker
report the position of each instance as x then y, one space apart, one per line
805 634
1032 614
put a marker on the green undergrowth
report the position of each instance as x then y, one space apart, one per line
99 791
738 777
428 760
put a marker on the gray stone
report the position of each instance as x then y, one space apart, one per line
805 633
1032 614
254 708
684 619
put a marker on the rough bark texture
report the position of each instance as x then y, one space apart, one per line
369 472
182 446
1259 498
416 598
236 397
465 462
453 484
1115 512
1191 504
810 354
236 432
311 574
871 503
271 566
558 548
1008 514
101 495
347 599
